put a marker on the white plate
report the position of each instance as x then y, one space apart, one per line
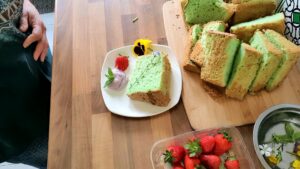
119 103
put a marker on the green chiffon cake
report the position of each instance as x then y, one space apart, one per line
200 51
203 11
150 80
194 35
291 53
218 62
270 60
244 70
244 31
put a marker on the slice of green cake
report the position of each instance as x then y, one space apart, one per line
193 36
221 49
150 80
248 10
270 60
291 53
196 33
200 50
244 31
203 11
243 72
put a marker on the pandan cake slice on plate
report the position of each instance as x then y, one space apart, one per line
291 53
221 50
270 60
244 70
150 80
203 11
200 51
245 31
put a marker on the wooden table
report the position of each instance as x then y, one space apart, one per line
83 134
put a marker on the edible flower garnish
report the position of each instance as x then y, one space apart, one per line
273 159
142 47
296 164
265 150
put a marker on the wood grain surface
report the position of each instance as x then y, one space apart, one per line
206 111
83 134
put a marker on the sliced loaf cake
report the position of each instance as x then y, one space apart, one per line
243 72
291 53
221 48
244 31
270 60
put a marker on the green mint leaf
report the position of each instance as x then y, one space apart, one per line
289 130
296 136
110 73
282 139
110 78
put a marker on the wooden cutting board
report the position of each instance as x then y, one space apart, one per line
206 111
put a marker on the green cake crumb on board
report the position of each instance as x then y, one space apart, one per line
291 53
270 60
150 80
244 70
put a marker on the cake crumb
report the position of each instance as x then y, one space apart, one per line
135 19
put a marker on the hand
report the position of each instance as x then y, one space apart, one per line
31 18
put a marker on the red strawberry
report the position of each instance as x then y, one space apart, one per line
178 166
191 162
174 154
193 148
207 143
211 161
232 163
223 143
122 62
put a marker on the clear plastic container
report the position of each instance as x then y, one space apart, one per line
238 147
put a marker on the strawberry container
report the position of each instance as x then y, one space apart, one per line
238 147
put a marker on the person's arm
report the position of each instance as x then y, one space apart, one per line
31 18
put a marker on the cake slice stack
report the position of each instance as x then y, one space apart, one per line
291 53
221 48
270 60
244 70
